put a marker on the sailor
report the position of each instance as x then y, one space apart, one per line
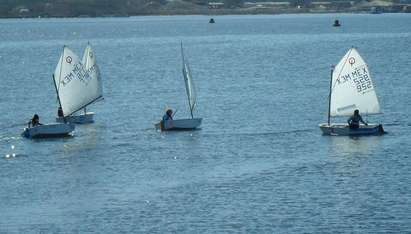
35 121
167 117
355 119
60 112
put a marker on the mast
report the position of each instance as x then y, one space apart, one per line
184 74
87 52
58 98
329 96
57 88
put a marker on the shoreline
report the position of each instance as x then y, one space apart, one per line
211 14
171 10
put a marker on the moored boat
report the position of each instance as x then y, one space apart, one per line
336 23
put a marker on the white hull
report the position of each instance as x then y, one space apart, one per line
345 130
78 119
48 130
180 124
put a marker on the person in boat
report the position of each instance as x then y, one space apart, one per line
60 112
355 119
167 117
35 121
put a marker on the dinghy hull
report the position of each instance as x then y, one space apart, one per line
78 119
48 131
345 130
180 124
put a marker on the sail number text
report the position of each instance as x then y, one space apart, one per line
360 77
80 73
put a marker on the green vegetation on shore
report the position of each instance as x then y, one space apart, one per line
93 8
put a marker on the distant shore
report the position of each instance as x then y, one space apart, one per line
184 7
178 13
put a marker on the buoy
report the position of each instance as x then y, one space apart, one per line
336 23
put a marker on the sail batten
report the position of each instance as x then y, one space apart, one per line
352 87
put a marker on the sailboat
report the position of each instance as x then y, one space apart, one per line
68 73
184 124
93 87
351 88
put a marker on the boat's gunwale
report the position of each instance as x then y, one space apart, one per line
339 129
199 120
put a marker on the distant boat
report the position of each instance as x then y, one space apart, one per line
336 23
376 10
351 88
211 21
184 124
91 85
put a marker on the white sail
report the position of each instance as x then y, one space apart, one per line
89 62
72 83
352 87
188 80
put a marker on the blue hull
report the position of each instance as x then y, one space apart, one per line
345 130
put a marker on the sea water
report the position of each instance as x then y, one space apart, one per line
259 164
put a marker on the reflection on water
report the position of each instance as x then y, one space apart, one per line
353 146
86 137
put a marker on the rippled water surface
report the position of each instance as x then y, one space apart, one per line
258 165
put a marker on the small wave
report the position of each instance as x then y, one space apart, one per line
149 129
9 138
393 124
262 133
21 125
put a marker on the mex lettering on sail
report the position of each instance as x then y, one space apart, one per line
81 73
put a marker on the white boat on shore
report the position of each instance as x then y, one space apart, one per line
184 124
92 86
351 88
